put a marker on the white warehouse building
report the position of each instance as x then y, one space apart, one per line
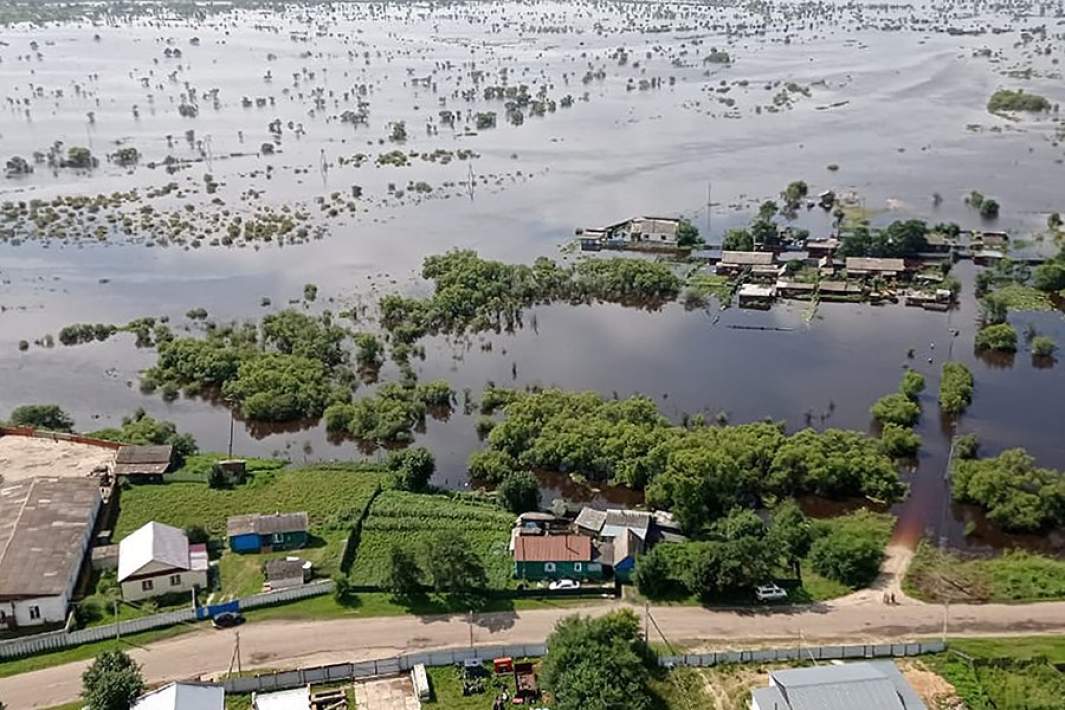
46 526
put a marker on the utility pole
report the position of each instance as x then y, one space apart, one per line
230 450
470 179
946 618
469 623
709 202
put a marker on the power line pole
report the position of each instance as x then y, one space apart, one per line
709 202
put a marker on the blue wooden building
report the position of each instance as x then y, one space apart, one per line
267 533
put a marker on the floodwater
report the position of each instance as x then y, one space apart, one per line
901 112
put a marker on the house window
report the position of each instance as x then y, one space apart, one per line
175 580
594 567
146 585
549 567
3 617
35 613
577 567
278 538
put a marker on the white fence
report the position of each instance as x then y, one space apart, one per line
56 640
282 680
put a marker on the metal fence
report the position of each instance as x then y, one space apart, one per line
56 640
363 670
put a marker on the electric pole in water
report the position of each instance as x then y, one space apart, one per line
708 203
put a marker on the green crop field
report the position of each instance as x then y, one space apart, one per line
328 494
415 520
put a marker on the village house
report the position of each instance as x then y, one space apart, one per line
143 462
626 534
539 557
860 266
267 533
817 249
157 559
647 231
756 263
756 296
46 526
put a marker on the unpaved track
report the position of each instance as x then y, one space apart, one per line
281 644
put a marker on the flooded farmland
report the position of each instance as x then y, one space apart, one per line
340 145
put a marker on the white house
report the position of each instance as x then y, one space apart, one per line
294 699
157 559
182 696
45 528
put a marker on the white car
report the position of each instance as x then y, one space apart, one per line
769 593
565 584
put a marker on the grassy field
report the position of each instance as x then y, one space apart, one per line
1013 576
242 574
329 494
1010 673
415 520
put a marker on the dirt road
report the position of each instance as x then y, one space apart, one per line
280 644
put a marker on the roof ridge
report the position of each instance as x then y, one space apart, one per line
18 519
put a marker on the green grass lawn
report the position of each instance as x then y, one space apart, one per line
446 684
1013 576
415 520
242 574
1007 673
325 492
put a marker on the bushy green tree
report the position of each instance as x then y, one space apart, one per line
519 492
849 559
1043 346
912 384
899 441
42 416
896 409
598 663
453 566
654 573
955 388
413 467
1049 276
112 682
1016 494
993 309
1001 336
688 234
404 575
738 240
142 429
790 535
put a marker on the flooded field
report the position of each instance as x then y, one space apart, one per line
352 141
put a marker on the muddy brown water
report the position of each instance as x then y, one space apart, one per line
914 123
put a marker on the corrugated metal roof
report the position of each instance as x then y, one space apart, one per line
748 257
43 533
266 524
553 548
591 519
153 542
141 460
842 687
868 263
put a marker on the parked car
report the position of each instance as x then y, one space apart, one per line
565 584
227 620
769 593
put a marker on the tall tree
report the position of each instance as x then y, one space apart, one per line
598 663
112 682
453 566
404 574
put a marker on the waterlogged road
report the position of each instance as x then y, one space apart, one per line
280 644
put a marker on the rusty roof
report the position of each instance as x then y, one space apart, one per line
266 524
553 548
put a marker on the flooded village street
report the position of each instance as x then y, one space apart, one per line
637 118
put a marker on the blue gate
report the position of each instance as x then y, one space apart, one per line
212 610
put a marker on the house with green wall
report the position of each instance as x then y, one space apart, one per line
540 557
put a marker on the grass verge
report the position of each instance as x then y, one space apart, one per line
1013 576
